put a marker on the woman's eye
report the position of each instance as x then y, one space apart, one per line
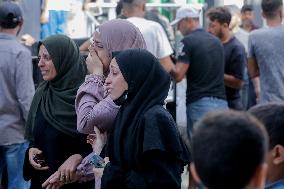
99 45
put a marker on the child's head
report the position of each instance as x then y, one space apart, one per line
272 116
229 151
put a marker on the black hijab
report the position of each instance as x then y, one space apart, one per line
56 98
142 124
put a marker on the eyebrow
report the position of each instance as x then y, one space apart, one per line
114 66
97 41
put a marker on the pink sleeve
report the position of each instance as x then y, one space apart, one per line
92 108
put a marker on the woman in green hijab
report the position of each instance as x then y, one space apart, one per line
55 144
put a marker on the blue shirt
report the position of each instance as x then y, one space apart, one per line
16 89
276 185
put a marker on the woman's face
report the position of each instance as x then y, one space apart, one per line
115 82
101 51
46 65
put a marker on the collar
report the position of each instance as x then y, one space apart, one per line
275 184
197 29
7 36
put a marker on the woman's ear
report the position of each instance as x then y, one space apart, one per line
194 173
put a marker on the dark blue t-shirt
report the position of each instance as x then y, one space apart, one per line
235 61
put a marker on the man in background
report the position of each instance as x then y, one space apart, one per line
266 57
219 19
16 93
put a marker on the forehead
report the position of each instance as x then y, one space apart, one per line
97 36
212 23
42 49
113 63
247 12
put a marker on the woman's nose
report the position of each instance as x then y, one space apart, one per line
108 80
40 62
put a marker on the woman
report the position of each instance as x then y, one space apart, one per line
55 144
144 146
93 107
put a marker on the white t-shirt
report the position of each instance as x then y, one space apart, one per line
59 5
155 37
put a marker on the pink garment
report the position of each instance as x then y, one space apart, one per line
120 34
92 108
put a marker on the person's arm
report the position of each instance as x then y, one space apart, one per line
91 106
254 75
233 78
164 49
232 81
253 68
178 71
25 88
167 63
44 13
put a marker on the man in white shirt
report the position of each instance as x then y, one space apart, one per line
155 37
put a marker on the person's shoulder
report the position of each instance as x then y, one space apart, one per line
261 32
16 47
24 50
237 43
203 35
137 20
155 25
157 112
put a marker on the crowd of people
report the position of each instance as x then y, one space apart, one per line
100 121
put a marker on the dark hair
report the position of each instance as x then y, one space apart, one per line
227 148
272 116
11 21
221 14
10 15
132 3
246 8
270 7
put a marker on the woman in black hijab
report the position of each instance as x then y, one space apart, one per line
144 147
55 144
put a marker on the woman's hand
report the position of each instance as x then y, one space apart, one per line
33 152
67 171
100 141
97 140
94 64
99 173
53 182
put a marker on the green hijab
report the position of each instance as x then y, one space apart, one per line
56 98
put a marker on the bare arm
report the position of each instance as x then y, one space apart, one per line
254 74
44 13
179 70
167 63
233 82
